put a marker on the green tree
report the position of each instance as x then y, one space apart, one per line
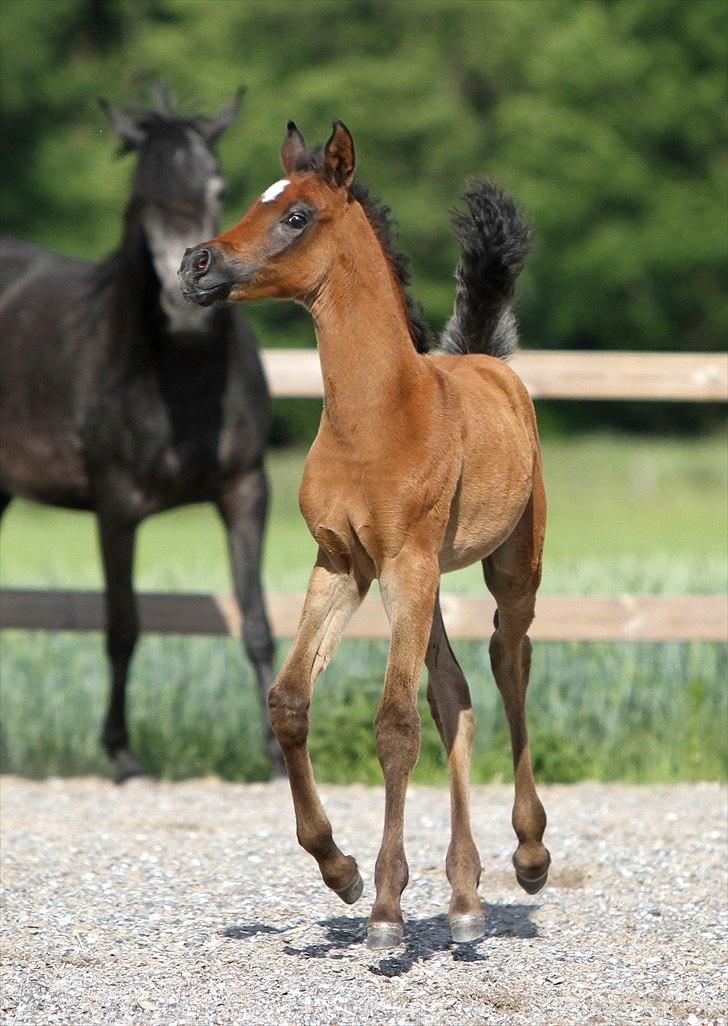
606 118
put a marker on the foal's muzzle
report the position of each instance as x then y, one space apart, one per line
204 275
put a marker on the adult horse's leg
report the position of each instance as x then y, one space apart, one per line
449 698
513 574
122 630
243 507
409 587
331 598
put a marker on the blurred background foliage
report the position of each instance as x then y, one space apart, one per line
606 118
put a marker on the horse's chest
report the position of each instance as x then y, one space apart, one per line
155 455
359 513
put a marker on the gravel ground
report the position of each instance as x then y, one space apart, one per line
192 904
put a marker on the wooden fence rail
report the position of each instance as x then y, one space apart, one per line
556 374
548 374
558 617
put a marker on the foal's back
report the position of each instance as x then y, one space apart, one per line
499 452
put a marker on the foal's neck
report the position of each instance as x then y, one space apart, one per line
368 360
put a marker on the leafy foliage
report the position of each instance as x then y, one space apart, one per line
604 118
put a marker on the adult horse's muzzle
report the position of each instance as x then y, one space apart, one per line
205 275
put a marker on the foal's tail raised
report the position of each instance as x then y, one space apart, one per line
495 241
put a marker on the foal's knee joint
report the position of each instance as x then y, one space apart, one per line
397 734
288 717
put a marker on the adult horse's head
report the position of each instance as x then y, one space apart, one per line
177 189
287 240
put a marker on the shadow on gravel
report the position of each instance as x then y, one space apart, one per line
425 938
246 930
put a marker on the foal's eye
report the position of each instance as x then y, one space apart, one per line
297 220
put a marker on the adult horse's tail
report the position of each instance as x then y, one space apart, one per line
495 241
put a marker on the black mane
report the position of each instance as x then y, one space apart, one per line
380 217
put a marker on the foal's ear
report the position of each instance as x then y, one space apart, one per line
293 146
339 162
212 128
131 133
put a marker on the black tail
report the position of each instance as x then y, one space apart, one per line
495 241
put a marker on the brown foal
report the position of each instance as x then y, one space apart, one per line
423 463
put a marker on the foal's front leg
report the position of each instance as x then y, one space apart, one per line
409 586
331 599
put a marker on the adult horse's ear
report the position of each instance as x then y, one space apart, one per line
294 145
212 128
339 162
131 133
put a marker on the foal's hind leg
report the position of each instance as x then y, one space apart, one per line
331 599
449 698
513 574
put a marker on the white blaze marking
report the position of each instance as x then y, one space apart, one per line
274 190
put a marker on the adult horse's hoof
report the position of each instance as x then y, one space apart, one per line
381 936
467 927
532 886
126 767
353 890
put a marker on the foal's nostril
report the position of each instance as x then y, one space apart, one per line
201 261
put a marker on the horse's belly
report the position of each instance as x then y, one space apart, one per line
47 469
481 518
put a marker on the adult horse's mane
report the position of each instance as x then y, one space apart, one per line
380 217
161 114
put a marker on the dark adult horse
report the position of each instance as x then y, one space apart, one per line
120 397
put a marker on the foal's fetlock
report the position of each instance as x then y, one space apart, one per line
466 915
338 871
385 928
462 867
343 877
352 891
531 861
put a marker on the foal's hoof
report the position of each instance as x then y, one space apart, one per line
467 927
353 890
126 767
384 935
532 886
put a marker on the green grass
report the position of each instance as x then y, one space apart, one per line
634 515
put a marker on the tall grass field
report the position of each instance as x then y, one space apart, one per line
626 515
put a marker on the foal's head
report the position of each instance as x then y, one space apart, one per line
286 241
177 188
